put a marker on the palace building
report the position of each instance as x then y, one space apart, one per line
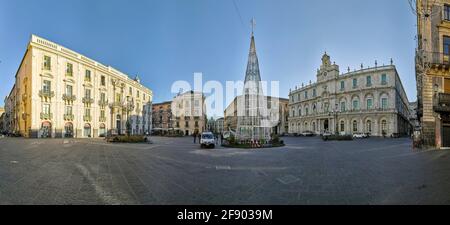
433 72
61 93
369 100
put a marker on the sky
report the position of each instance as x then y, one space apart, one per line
164 41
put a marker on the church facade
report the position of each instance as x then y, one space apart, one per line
369 100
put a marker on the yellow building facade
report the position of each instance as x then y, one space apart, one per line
433 71
61 93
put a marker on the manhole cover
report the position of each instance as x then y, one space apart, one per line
288 179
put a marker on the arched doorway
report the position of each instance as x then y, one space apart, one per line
87 130
384 128
118 124
369 126
46 129
68 130
102 130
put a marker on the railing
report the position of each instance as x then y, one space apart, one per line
69 117
102 119
69 97
102 103
47 94
438 58
116 104
87 118
444 99
88 100
46 116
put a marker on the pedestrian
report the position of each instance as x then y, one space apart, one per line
195 137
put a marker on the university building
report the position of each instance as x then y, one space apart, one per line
369 100
433 72
61 93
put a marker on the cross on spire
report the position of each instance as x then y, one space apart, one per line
253 23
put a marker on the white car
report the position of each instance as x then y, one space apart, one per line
359 135
207 140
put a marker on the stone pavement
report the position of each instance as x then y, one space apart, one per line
176 171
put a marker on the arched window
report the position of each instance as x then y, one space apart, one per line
355 126
342 126
306 111
299 111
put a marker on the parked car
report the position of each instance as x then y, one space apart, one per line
207 140
308 133
359 135
326 134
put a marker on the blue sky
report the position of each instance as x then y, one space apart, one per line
168 40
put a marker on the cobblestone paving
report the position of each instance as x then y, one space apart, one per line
176 171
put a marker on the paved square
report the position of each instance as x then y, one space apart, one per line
176 171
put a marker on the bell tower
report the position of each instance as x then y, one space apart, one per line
327 70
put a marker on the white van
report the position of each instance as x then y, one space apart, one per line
207 140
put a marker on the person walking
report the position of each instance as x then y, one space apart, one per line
195 137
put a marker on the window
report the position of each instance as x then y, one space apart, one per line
186 124
102 113
102 80
355 105
314 92
47 62
143 96
68 110
87 112
327 107
355 83
446 49
306 111
87 93
383 79
130 91
384 103
46 108
355 126
306 94
118 97
103 97
369 126
342 106
69 69
46 86
87 76
69 90
138 93
196 103
369 103
196 123
368 81
342 126
299 112
342 85
447 12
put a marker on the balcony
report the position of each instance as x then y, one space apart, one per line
69 97
102 119
46 116
102 103
46 93
87 118
434 59
442 102
68 117
87 100
116 104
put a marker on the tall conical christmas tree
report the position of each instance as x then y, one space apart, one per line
252 106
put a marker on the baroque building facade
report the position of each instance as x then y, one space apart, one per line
61 93
433 72
189 113
370 100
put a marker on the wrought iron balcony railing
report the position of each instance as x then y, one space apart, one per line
46 116
102 103
69 97
116 104
436 58
46 93
102 119
88 100
442 102
69 117
87 118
